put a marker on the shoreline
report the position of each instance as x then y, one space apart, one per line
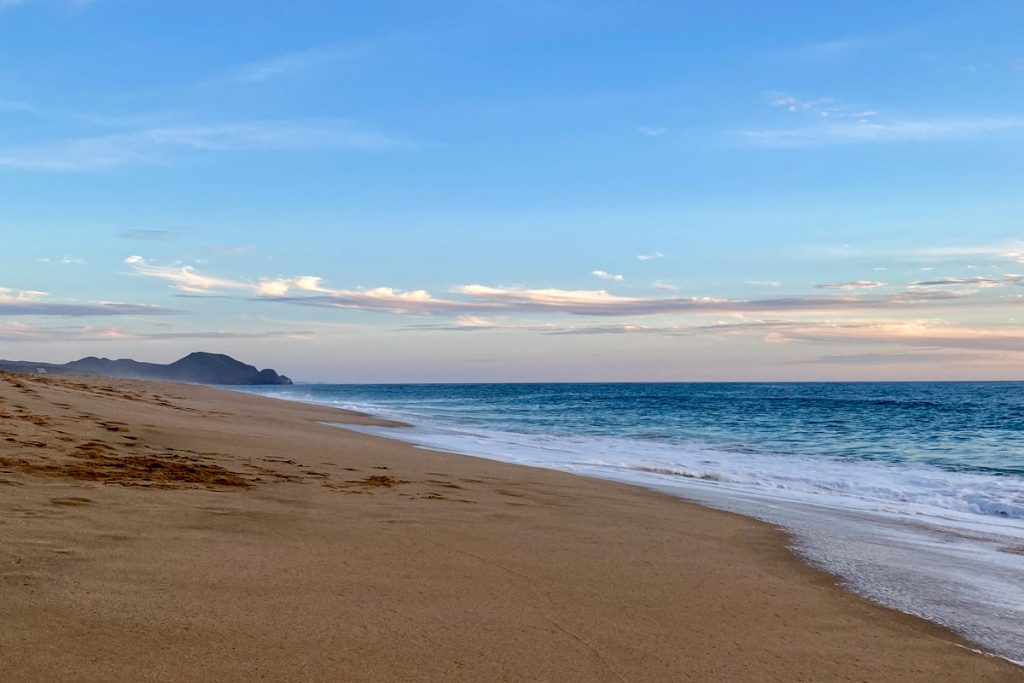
950 570
804 545
406 563
826 542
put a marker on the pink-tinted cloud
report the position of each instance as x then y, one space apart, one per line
24 302
479 299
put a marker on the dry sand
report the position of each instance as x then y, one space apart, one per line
165 532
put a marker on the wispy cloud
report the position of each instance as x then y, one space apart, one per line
822 107
994 252
651 131
64 260
629 328
27 302
855 284
139 234
830 50
185 278
958 281
289 65
604 275
303 289
650 256
236 250
919 334
72 3
79 310
471 323
765 283
878 132
20 332
903 357
8 294
1012 251
159 145
664 286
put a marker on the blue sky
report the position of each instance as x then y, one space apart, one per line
517 190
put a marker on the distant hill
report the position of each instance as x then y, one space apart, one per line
196 368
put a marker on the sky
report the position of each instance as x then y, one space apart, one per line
517 190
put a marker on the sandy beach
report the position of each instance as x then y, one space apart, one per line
173 532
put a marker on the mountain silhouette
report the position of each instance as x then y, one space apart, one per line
196 368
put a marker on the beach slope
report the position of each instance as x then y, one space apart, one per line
165 532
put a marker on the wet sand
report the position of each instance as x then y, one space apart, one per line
167 532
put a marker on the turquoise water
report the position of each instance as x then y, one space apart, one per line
913 493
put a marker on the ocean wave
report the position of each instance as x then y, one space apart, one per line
919 491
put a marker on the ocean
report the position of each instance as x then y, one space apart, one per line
911 493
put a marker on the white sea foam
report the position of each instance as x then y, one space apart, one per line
963 500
